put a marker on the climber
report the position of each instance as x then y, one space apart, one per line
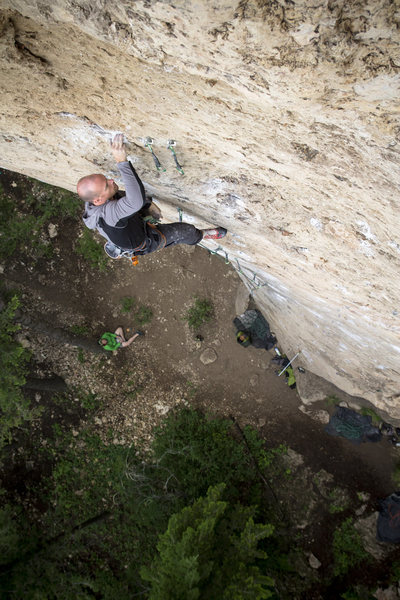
113 341
119 216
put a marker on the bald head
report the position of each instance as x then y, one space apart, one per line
96 188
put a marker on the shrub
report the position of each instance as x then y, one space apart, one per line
348 550
81 330
127 304
194 452
14 407
143 315
9 537
23 222
201 312
332 400
51 201
358 592
86 477
371 413
91 250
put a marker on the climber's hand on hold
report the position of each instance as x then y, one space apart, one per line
118 148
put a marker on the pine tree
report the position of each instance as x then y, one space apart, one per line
210 551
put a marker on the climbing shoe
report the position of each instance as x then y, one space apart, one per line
214 234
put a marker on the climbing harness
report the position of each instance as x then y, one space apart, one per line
116 253
170 146
163 238
148 144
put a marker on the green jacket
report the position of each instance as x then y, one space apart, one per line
291 377
112 343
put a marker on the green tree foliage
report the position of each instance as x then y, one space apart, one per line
91 250
348 550
104 506
210 551
14 407
74 500
359 592
86 532
9 536
22 223
195 452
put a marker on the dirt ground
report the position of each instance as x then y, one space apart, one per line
163 369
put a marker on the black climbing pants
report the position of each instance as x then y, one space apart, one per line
180 233
162 236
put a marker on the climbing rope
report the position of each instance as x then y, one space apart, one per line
255 282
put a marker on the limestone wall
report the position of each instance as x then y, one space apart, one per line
286 118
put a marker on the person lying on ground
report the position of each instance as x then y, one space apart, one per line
243 339
113 341
118 216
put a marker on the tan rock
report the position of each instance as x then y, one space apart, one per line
321 416
366 527
314 562
390 593
208 356
242 299
52 228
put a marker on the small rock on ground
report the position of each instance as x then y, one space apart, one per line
314 562
208 356
254 380
322 416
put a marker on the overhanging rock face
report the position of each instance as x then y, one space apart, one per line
286 118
